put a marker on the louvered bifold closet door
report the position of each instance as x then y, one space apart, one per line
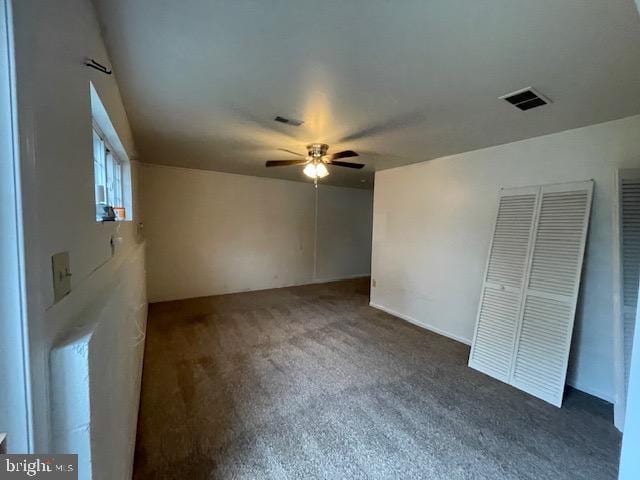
630 252
544 334
496 326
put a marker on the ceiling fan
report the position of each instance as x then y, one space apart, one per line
316 160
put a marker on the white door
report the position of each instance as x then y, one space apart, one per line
526 313
498 315
544 337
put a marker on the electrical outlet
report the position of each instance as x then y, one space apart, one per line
61 275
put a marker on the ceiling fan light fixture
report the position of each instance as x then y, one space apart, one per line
316 170
316 161
310 170
321 170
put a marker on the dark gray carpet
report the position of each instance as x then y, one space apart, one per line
310 382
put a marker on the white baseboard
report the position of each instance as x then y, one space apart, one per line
344 277
578 386
424 325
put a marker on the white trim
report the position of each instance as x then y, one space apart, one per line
421 324
37 375
100 118
618 329
14 301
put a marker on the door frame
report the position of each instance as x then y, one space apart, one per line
15 403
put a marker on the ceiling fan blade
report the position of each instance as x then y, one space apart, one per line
389 125
343 154
346 164
284 163
292 152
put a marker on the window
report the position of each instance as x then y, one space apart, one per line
108 175
113 183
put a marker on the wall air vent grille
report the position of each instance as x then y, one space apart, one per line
526 99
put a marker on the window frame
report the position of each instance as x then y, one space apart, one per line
112 171
103 126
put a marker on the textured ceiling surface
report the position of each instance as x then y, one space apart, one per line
398 81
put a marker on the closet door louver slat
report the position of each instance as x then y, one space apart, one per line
549 278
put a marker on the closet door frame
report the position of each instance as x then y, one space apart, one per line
620 400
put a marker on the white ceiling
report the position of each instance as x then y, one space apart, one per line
399 81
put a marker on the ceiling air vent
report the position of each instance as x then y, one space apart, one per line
526 99
289 121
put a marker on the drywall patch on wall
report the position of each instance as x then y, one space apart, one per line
211 233
428 261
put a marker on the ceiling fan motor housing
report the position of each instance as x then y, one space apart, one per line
317 150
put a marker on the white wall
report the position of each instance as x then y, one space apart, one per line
344 232
433 221
52 41
96 367
210 233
